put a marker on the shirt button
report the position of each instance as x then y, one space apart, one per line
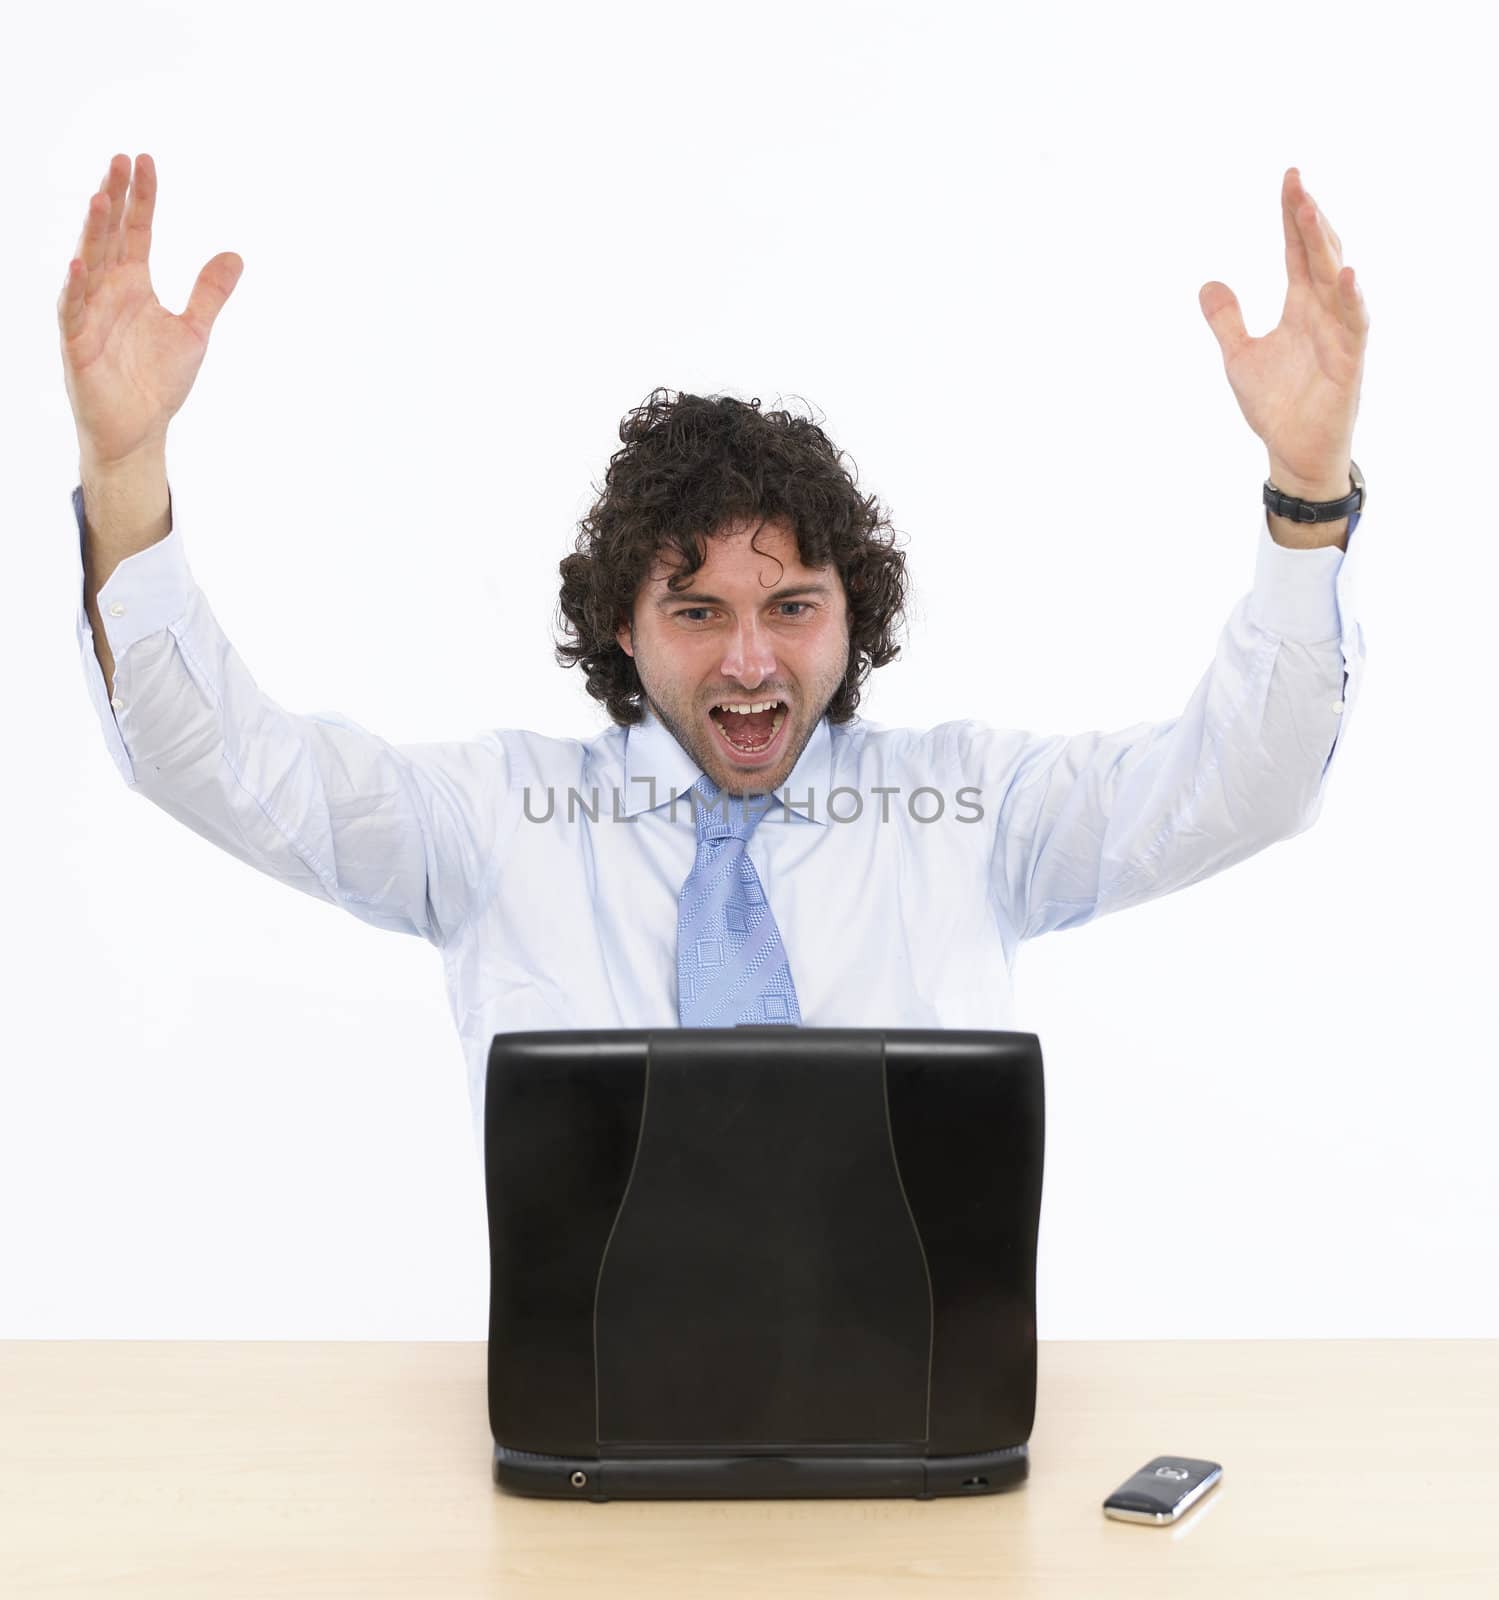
117 703
117 610
1337 706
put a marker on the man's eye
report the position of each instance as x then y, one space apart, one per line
696 611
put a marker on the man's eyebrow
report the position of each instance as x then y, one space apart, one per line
697 597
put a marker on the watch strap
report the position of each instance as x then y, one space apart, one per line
1294 509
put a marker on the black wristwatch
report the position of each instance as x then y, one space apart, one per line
1294 510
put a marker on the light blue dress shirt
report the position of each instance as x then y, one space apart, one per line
904 872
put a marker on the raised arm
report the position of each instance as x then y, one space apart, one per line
128 364
400 836
1090 823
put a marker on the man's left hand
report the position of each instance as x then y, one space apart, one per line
1298 385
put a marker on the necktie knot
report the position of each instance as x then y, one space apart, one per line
723 816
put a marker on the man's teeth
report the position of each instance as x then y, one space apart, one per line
775 721
759 705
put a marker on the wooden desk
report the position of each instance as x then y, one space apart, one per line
1367 1469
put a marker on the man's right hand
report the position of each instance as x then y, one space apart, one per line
127 362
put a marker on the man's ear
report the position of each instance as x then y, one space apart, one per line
626 639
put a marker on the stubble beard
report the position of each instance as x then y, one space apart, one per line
701 743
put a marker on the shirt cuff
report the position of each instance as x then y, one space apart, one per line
146 592
1297 593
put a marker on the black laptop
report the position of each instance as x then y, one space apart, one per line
763 1261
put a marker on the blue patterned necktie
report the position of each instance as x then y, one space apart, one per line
731 966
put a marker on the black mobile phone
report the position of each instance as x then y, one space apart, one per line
1162 1489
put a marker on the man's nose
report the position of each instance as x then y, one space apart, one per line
750 657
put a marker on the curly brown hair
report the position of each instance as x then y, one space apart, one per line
692 466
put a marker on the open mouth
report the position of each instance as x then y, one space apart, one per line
751 730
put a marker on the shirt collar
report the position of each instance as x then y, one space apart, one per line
651 751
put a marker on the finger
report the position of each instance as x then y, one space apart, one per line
215 284
119 183
96 246
141 209
87 213
1328 229
83 231
87 254
1298 270
1324 260
1351 301
70 301
1220 305
91 242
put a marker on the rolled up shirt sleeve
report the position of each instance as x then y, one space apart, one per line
397 835
1091 823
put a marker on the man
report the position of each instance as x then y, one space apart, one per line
738 846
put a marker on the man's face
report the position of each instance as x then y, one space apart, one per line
752 625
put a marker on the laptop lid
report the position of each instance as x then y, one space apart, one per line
760 1245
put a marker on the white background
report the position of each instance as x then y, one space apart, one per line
969 240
